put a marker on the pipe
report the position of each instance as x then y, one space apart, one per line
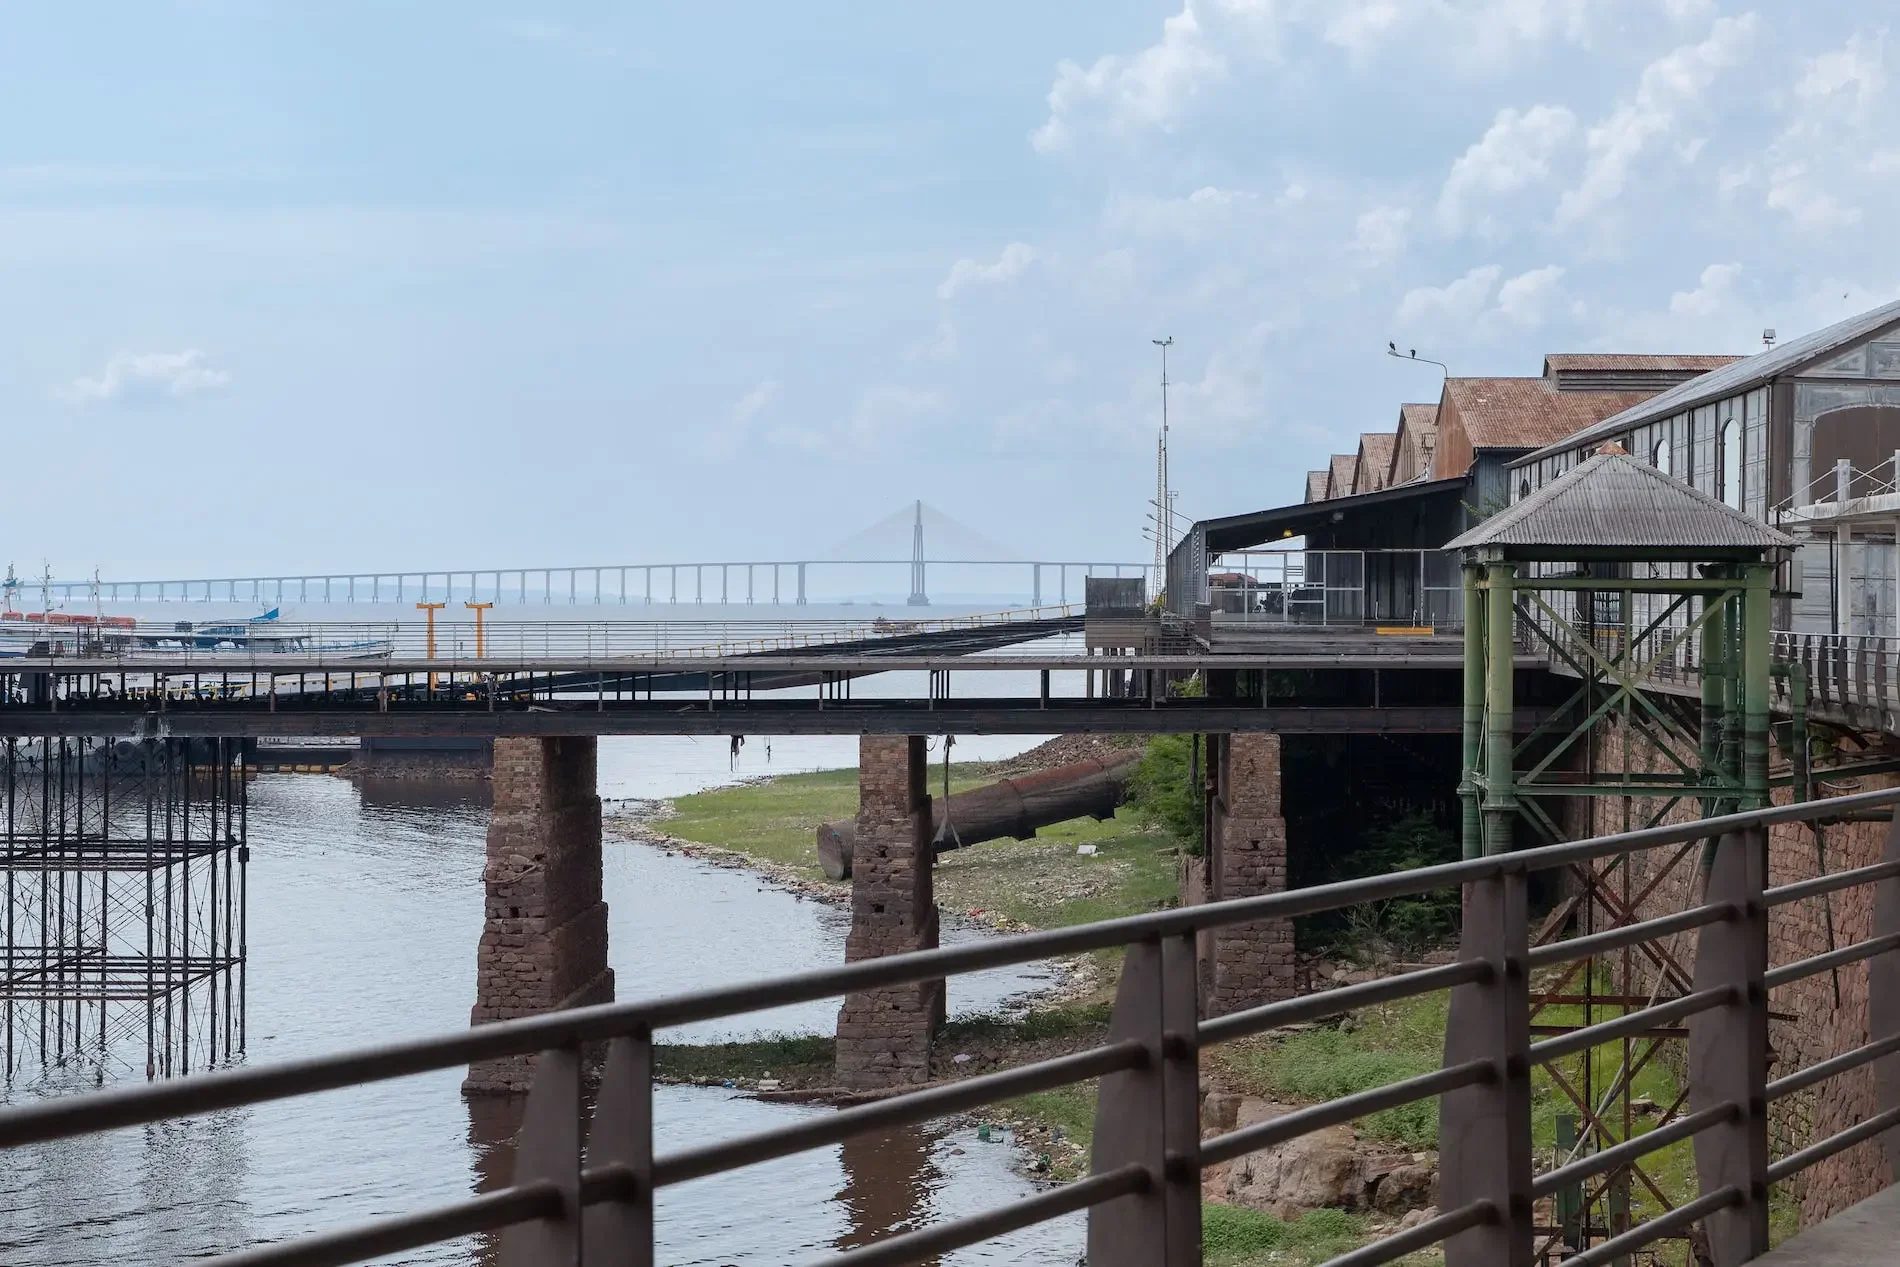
1009 807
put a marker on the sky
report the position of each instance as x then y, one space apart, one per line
290 287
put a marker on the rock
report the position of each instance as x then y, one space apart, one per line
1404 1186
1219 1110
1643 1106
1320 1169
1341 976
1414 1217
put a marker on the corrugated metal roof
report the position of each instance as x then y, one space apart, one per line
1701 364
1375 461
1315 486
1523 413
1339 475
1744 374
1614 501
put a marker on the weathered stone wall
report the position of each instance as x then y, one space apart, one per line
544 939
1252 963
1807 1025
884 1035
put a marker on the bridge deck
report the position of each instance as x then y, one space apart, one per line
1865 1235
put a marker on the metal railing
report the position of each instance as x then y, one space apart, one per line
767 582
496 644
1412 588
1143 1192
1839 484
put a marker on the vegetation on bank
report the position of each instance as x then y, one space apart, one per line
1045 883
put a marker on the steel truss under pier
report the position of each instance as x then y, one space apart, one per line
1617 757
123 933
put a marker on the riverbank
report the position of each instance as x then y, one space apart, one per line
768 827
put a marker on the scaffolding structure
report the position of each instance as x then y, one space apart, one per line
1662 624
123 911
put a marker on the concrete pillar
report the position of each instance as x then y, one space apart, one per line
1252 963
544 941
884 1035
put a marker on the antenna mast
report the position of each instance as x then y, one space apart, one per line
1164 504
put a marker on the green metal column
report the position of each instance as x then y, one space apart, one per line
1714 671
1757 646
1500 781
1473 834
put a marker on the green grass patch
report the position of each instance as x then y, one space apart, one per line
1236 1237
791 1057
1067 1021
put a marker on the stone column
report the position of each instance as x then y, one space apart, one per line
884 1035
1252 963
544 941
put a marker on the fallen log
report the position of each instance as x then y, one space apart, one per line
1008 807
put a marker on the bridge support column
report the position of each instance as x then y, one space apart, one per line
884 1035
544 942
1246 857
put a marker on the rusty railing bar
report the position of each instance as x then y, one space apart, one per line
1617 938
1794 1163
918 1106
1802 1079
1831 883
1252 1139
1657 1228
135 1106
1832 959
1330 1002
405 1231
913 1247
1426 1234
1630 1149
1630 1023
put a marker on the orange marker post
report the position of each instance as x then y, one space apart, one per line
432 609
478 609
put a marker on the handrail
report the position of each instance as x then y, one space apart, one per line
1138 1048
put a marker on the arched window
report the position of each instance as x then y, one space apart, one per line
1731 463
1659 456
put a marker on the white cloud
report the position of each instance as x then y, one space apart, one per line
889 409
941 346
1522 298
146 378
1793 191
1456 302
1715 290
1669 84
1148 89
1206 211
1482 33
1015 258
750 404
1688 10
1852 75
1514 152
1379 234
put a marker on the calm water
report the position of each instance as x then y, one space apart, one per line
365 906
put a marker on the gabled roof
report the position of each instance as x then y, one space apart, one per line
1416 437
1339 475
1374 464
1614 502
1315 486
1741 376
1527 413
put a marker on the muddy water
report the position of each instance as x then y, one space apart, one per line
364 911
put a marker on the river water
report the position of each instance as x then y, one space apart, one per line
365 906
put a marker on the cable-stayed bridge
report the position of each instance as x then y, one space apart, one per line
915 556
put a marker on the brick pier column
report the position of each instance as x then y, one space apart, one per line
1252 963
884 1035
544 939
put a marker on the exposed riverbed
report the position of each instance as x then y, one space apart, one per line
365 907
